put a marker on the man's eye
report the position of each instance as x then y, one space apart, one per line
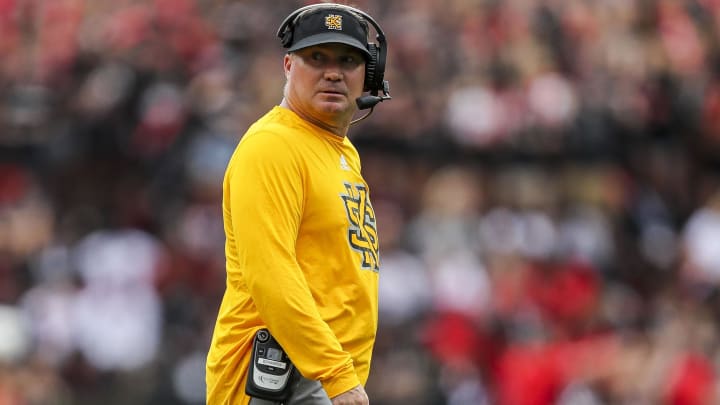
350 60
318 57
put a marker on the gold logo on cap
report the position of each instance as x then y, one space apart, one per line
333 22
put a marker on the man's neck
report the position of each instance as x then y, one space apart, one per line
339 129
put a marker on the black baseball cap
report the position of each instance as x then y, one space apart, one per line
329 25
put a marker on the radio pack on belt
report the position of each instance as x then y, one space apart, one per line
270 371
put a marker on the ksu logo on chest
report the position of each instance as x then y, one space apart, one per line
362 228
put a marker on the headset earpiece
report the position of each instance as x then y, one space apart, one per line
286 37
371 68
379 69
285 32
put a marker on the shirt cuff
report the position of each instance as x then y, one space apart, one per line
342 383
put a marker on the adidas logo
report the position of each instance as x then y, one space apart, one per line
343 163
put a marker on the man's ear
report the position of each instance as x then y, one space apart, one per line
287 64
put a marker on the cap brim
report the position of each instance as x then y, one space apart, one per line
329 38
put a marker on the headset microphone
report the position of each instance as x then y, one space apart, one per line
366 102
372 99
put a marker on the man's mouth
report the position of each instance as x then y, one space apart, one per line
334 92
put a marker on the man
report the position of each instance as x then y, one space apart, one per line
301 238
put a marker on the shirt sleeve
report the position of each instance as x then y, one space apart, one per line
266 203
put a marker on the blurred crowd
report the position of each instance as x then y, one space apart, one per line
546 181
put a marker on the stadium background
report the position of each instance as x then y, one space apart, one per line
545 180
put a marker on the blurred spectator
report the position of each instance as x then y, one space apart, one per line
700 237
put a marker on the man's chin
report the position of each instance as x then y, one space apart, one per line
334 107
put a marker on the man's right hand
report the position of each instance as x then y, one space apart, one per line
355 396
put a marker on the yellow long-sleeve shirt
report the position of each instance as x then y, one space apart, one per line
301 257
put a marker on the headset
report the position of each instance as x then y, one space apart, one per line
375 65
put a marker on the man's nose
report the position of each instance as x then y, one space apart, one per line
333 73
